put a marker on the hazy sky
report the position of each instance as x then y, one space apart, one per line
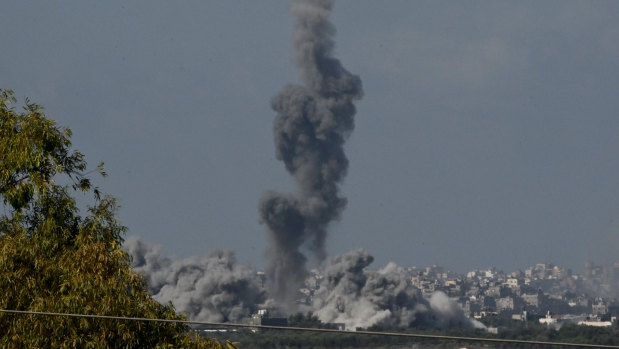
488 134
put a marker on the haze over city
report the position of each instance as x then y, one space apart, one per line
486 136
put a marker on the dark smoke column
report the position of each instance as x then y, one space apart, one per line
310 128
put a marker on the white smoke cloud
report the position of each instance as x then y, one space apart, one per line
358 297
216 288
212 288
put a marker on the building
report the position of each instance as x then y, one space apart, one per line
595 322
548 319
505 304
532 300
262 318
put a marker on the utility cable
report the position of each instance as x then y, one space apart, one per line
323 330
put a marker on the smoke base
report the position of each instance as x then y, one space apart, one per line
216 288
360 298
213 288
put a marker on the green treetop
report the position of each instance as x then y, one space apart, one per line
52 259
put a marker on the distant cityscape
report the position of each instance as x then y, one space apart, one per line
544 293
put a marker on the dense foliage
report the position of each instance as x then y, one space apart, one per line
52 259
569 333
508 329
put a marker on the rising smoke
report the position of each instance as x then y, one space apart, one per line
212 288
311 125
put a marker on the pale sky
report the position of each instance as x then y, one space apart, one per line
488 133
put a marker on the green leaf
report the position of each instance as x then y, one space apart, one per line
53 259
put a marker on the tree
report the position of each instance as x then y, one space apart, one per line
52 259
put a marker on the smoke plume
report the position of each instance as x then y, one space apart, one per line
358 297
212 288
310 127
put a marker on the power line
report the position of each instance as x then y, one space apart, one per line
324 330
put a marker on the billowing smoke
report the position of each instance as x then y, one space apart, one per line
213 288
311 125
358 297
216 288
